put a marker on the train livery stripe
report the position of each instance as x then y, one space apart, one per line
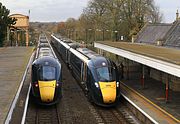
108 90
47 90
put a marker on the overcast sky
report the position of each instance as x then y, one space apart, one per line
60 10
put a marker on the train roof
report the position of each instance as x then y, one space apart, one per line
101 61
84 54
44 48
96 59
45 51
47 60
89 53
74 45
91 57
67 43
79 55
43 41
61 42
43 45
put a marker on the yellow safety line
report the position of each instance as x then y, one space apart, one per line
152 103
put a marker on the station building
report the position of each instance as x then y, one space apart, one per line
20 31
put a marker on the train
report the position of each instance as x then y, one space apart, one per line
46 76
97 75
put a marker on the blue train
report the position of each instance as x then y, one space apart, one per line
97 75
46 74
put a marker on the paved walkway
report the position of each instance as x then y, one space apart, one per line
13 62
155 92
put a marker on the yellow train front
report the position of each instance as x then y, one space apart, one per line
46 80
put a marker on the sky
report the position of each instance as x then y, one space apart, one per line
61 10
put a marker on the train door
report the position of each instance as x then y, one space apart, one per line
84 75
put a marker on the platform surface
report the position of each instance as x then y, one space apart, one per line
154 91
13 62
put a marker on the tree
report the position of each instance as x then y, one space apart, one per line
110 19
61 28
137 12
70 27
5 21
126 17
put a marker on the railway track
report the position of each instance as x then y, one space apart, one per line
118 115
38 114
47 115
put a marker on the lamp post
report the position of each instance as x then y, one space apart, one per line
76 34
100 33
11 31
107 34
103 34
95 38
86 34
89 32
116 32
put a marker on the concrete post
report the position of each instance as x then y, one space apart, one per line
142 81
167 88
16 38
27 37
127 69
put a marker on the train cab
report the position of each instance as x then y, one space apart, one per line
46 80
103 81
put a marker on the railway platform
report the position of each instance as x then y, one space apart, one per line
13 62
153 93
158 100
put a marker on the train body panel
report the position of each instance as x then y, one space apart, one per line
46 75
97 75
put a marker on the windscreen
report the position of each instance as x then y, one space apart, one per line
47 73
106 74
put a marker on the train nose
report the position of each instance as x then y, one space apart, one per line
47 90
108 90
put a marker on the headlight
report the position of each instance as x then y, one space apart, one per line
117 84
96 84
